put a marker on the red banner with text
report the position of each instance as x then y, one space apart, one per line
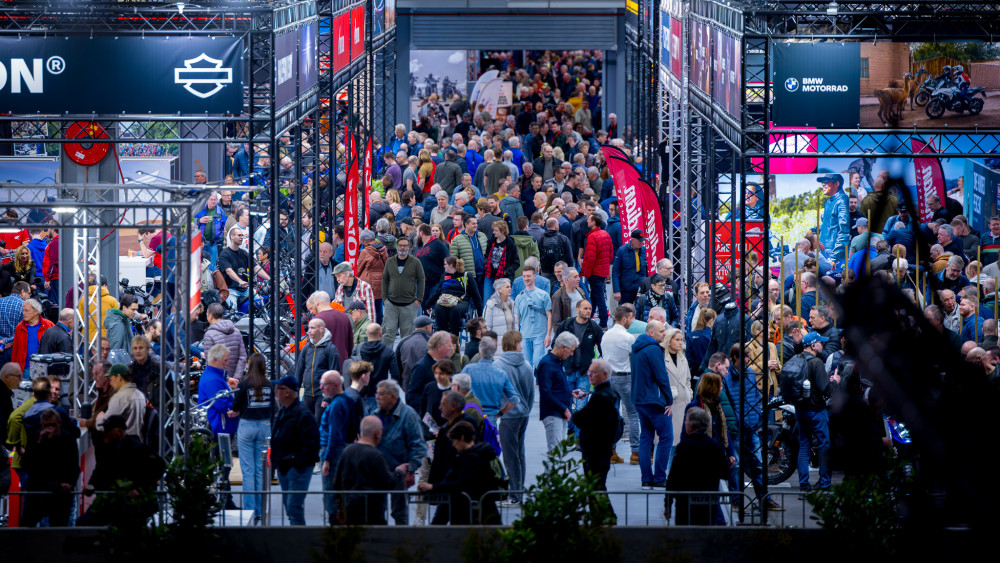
638 206
367 179
352 233
930 179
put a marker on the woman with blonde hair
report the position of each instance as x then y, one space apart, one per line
394 201
425 171
680 380
755 359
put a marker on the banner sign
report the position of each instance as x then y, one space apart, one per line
701 64
985 196
638 206
726 88
675 48
195 265
477 90
368 180
808 76
357 32
284 68
352 233
727 244
930 179
664 41
61 75
308 55
341 41
787 144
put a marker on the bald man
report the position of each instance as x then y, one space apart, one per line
59 340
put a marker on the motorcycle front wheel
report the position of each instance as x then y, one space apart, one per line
922 98
975 106
935 109
782 458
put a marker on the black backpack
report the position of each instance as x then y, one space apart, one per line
550 252
794 374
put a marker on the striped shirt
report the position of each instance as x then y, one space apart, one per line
362 292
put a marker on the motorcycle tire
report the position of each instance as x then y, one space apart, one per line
935 109
782 459
922 98
976 106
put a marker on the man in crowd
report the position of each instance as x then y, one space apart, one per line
29 332
11 314
490 384
223 331
534 309
351 289
810 409
363 467
59 340
628 268
127 401
598 423
597 264
617 346
589 335
554 395
338 323
235 263
439 347
402 442
835 230
651 394
338 427
294 447
318 356
402 289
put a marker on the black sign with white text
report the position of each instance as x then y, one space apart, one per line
110 75
816 84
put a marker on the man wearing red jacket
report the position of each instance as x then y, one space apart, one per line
50 269
28 334
597 257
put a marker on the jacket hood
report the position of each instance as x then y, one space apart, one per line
115 312
483 450
371 348
225 326
327 337
645 341
523 241
511 358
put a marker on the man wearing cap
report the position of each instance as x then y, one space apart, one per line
835 231
628 268
860 242
127 401
879 206
359 315
294 447
351 289
811 412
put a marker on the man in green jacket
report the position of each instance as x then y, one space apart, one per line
402 288
118 323
359 316
470 247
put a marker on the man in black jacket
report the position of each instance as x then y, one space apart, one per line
294 447
589 333
59 340
699 463
383 361
811 413
598 422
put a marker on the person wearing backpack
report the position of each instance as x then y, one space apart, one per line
805 384
553 247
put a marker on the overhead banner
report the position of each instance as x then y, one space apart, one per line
808 76
701 63
726 87
284 68
352 232
985 197
341 41
787 144
676 67
930 179
308 54
357 32
59 75
487 76
638 206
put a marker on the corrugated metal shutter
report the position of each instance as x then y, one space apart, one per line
513 31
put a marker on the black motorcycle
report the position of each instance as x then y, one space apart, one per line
783 445
928 87
947 98
141 293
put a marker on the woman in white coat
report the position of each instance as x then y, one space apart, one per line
680 381
499 313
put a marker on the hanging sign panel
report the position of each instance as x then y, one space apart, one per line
809 76
121 75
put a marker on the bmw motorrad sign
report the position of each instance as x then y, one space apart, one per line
820 84
113 75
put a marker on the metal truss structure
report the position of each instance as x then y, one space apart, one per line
642 125
292 151
707 154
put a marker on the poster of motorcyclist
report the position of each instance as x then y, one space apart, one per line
436 78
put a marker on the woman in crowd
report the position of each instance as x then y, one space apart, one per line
500 314
680 379
501 257
699 339
254 404
755 357
453 297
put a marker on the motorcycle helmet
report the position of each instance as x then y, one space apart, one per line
947 68
959 69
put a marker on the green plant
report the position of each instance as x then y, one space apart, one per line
340 544
563 517
863 511
192 505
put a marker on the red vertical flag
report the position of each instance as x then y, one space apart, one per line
638 206
930 179
352 233
367 179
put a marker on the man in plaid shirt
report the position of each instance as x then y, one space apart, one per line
351 289
11 313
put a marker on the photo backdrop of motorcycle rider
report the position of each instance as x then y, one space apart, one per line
885 84
435 78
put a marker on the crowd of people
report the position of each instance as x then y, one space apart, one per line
494 281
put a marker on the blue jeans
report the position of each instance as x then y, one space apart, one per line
295 480
599 300
234 296
487 290
370 405
512 431
534 349
250 441
329 501
653 420
813 423
53 292
211 251
582 382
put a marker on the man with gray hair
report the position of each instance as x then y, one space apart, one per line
490 384
946 238
598 422
554 395
402 441
653 399
29 332
59 340
952 277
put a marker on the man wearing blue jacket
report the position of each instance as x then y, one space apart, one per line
652 398
337 427
628 268
213 380
835 232
553 389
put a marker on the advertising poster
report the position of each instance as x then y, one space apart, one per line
438 73
665 41
357 32
637 204
790 143
308 50
701 65
727 243
341 41
801 84
982 199
390 14
676 67
121 75
378 17
284 68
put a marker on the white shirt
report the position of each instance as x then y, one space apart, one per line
694 317
617 347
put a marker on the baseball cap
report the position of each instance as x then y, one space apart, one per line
407 221
637 234
343 268
357 306
813 337
288 381
117 369
862 222
422 321
830 178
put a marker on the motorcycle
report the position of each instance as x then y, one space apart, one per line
783 444
928 88
141 293
947 98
